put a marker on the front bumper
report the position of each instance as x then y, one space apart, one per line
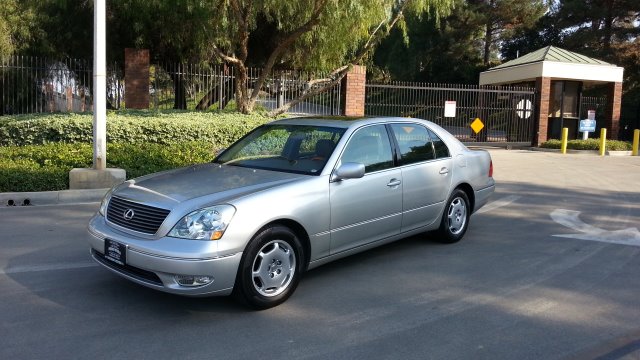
155 263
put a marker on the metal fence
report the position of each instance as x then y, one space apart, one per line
506 112
596 103
34 85
30 85
201 87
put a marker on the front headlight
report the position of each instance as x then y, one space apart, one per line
204 224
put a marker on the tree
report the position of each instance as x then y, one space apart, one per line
597 24
16 25
325 34
174 31
547 31
500 19
433 51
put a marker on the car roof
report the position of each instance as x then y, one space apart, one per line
343 121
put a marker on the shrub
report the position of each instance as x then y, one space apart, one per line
46 167
589 144
136 127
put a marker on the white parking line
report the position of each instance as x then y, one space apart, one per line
498 203
47 267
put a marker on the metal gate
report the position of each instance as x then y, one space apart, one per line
507 113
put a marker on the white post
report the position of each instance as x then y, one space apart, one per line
99 86
585 135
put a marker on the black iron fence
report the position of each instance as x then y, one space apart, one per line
29 84
506 113
205 86
34 85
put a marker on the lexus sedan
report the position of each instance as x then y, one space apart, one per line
289 196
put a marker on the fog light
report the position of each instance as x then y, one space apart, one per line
193 280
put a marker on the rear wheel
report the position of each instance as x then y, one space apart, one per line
455 219
270 269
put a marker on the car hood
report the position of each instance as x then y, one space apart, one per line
208 182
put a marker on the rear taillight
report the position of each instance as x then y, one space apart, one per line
490 168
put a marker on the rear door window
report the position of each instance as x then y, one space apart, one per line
414 143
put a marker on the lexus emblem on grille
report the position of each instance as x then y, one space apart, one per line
128 214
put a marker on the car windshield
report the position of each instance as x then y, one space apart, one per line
300 149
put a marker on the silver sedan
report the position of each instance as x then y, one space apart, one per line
289 196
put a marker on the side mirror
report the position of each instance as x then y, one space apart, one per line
348 170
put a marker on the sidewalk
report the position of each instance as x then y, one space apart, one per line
51 197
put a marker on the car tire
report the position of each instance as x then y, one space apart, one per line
270 268
455 218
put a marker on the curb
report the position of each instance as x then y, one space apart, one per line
51 197
583 152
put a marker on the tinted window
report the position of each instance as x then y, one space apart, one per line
442 151
414 143
371 147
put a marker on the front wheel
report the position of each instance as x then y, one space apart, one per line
270 268
455 218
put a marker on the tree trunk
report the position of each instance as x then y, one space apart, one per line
608 25
213 96
488 39
241 88
1 94
179 90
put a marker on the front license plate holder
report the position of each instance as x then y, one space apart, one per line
115 252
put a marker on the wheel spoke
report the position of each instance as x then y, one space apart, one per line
457 215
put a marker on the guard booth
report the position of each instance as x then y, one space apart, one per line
560 77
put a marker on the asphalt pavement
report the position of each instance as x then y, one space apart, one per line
547 270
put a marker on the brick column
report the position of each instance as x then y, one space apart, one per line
612 110
353 87
136 78
543 90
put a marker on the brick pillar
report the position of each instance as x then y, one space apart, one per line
612 110
69 96
353 87
543 89
136 78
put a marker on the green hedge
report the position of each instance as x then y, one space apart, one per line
46 167
589 144
135 127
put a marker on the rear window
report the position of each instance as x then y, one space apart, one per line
442 151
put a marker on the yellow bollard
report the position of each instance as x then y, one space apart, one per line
636 140
603 141
565 136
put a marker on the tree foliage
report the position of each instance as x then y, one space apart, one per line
16 25
500 19
459 46
445 50
321 34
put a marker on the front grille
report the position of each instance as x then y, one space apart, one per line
146 219
134 272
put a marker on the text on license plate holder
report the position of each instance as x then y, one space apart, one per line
115 251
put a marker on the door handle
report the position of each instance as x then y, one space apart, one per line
444 171
394 182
